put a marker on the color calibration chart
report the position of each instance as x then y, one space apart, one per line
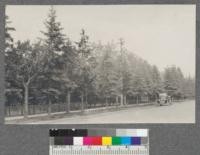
99 142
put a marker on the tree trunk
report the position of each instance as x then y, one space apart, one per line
82 102
121 101
68 100
124 99
137 100
106 101
26 100
116 100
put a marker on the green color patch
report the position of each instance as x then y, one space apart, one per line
116 141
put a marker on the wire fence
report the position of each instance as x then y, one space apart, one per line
18 109
33 109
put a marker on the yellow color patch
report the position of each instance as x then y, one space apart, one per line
106 140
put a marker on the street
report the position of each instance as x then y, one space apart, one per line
178 112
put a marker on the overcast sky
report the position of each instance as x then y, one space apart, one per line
164 35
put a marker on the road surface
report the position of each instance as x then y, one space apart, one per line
178 112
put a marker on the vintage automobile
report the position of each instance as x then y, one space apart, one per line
164 99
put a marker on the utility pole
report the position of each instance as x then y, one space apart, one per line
121 42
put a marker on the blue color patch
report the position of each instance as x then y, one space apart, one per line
126 140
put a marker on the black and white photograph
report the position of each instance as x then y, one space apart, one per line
100 64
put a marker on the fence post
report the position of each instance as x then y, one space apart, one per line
49 108
68 102
82 103
9 111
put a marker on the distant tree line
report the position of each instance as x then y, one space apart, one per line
56 69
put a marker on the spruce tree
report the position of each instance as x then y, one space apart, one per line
85 68
54 42
107 79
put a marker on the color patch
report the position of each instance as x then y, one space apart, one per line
136 140
126 140
121 132
144 140
68 140
96 141
102 132
87 140
59 140
78 140
116 141
142 133
106 140
68 132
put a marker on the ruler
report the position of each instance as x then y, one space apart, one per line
99 150
100 142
